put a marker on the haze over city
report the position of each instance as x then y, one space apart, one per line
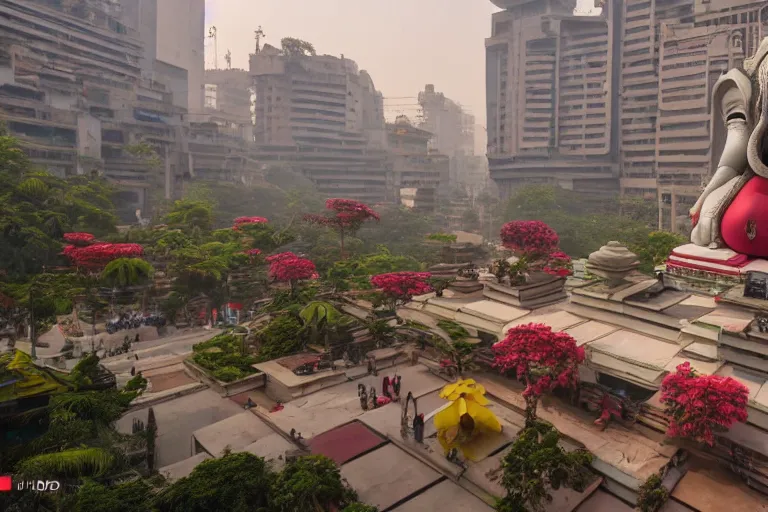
403 44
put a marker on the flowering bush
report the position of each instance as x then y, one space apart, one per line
699 405
531 238
347 217
541 359
400 287
248 220
559 264
99 254
79 239
286 267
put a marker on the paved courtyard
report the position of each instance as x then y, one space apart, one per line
177 419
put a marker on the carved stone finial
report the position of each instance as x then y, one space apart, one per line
613 262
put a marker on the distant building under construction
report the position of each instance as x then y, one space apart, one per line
616 102
325 118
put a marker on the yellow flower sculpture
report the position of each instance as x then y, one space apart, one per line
465 418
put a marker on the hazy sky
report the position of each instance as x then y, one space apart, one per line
403 44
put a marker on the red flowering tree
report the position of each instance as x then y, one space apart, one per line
397 288
241 221
536 246
541 359
288 268
97 255
346 217
700 405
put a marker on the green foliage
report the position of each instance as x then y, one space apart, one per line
223 356
124 272
292 47
442 237
584 223
537 463
456 331
137 383
237 482
68 463
187 215
652 495
309 483
356 272
133 496
655 249
323 319
85 371
283 336
37 208
382 332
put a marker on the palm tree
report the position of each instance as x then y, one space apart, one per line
125 272
74 463
323 317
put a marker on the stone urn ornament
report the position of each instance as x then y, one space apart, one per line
613 262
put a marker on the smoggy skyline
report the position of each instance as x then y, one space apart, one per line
403 44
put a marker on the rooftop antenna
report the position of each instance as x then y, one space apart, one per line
259 34
212 35
228 58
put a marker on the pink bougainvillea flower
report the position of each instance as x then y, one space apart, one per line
559 264
543 360
253 252
531 238
400 287
288 268
241 221
99 254
698 406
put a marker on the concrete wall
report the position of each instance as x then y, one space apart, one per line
180 42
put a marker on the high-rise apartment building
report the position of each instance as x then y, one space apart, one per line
624 94
551 101
324 116
74 90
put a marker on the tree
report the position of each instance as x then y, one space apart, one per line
286 267
347 218
541 359
537 463
292 47
37 208
189 215
397 288
652 495
151 433
73 463
310 483
135 496
125 272
656 248
698 406
322 318
236 482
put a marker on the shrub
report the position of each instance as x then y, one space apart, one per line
652 495
228 374
284 335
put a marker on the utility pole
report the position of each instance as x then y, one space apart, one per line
259 34
32 333
212 34
228 58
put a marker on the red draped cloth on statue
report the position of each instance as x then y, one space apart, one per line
744 227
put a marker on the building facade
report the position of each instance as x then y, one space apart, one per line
417 170
453 130
325 117
552 116
619 101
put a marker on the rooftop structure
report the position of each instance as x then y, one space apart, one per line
326 117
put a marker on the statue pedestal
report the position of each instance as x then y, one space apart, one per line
712 264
